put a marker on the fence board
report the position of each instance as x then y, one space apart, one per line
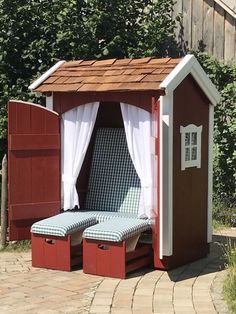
208 10
219 34
177 9
197 22
187 18
212 21
229 37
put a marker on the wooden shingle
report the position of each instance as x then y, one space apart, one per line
109 75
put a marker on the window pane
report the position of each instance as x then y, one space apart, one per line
187 154
194 153
194 138
187 139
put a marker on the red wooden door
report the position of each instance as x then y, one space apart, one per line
33 166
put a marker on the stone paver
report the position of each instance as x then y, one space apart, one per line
193 288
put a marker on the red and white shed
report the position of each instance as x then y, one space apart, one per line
180 98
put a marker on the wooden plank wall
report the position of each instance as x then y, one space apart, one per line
208 22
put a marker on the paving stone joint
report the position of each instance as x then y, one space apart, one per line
193 288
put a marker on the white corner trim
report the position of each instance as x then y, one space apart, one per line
160 188
167 183
170 157
190 65
49 102
43 77
210 173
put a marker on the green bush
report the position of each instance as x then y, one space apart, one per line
230 283
224 179
34 35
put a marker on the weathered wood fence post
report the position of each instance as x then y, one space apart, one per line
4 203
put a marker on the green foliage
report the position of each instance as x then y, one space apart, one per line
230 283
224 77
131 28
34 34
17 246
222 214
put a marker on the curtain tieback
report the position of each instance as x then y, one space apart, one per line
69 179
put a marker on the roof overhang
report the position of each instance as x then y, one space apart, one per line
44 76
190 65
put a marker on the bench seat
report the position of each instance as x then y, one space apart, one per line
64 224
110 247
56 241
116 230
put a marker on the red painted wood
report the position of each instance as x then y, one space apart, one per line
34 166
20 229
109 262
33 210
64 101
140 250
110 259
190 187
89 257
116 263
139 263
54 252
34 141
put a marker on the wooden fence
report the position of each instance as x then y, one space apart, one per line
210 23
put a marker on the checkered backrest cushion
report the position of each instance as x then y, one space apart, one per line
113 183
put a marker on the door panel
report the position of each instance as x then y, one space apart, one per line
33 166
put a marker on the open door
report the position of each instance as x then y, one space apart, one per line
33 166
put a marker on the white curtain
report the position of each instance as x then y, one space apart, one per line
76 129
138 130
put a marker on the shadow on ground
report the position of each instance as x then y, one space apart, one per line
213 262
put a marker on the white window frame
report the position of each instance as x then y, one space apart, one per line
191 128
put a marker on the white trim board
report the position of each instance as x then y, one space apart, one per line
210 173
190 65
167 175
160 188
43 77
49 102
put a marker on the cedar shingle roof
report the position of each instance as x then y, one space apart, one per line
108 75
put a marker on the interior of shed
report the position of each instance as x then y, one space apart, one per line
109 116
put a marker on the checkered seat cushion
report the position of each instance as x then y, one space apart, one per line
106 215
114 185
64 224
116 230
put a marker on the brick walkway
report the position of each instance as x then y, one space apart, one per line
194 288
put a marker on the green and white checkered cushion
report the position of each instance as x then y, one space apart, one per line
106 215
113 182
63 224
116 230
